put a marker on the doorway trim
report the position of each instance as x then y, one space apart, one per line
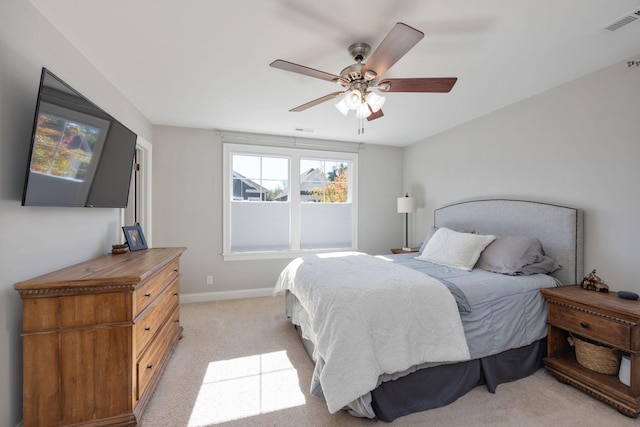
144 150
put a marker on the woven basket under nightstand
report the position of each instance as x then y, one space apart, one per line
597 357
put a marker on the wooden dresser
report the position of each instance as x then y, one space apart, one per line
97 336
601 317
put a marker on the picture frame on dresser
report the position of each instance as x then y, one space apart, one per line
135 237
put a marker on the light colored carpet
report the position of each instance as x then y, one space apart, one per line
240 363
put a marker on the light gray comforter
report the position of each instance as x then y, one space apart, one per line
368 317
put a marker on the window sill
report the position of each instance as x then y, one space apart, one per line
262 255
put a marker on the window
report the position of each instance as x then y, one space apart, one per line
259 178
279 201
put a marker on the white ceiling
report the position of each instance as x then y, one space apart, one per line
205 63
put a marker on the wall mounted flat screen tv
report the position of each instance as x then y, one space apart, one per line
80 155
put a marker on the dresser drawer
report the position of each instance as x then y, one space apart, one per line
591 325
150 360
150 321
150 289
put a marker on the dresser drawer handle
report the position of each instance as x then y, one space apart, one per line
175 294
147 295
148 328
175 270
584 324
150 366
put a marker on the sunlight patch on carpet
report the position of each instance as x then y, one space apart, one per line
245 387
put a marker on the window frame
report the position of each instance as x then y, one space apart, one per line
294 154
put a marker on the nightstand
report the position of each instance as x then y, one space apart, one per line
402 251
601 317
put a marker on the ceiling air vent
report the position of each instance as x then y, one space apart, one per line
624 20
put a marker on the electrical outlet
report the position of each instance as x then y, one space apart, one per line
209 280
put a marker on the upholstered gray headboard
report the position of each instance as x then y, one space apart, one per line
558 228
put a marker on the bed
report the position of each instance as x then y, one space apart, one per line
413 334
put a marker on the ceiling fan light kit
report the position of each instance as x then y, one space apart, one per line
342 106
375 101
353 99
363 111
359 79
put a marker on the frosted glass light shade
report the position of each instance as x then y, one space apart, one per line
363 111
342 106
375 101
353 99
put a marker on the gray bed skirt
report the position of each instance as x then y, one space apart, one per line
439 386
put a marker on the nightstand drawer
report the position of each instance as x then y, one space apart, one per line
591 325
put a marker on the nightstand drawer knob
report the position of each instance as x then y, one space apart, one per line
584 324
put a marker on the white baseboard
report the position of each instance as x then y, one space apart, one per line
224 295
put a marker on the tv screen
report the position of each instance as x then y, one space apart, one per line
80 155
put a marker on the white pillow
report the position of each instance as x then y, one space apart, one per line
454 249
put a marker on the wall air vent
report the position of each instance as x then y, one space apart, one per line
624 20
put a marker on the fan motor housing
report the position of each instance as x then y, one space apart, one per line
352 73
359 51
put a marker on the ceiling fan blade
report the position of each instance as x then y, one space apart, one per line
394 46
301 69
316 102
375 115
427 84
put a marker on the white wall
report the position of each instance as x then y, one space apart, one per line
187 206
36 240
577 145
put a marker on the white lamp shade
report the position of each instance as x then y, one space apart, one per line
375 101
353 99
406 204
342 106
363 111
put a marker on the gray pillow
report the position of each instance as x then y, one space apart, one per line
510 254
430 233
547 266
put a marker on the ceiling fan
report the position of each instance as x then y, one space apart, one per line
358 80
